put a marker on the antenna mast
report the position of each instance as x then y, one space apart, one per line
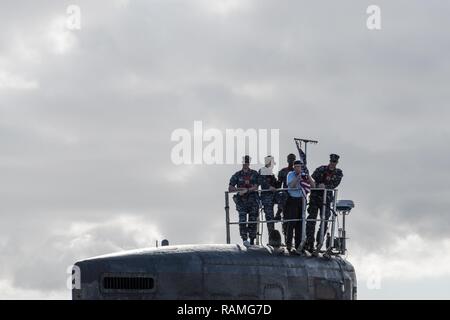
298 143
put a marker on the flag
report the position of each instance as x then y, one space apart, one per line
304 183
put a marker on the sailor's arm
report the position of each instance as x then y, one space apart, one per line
280 179
233 183
311 181
232 188
273 184
337 180
317 175
255 182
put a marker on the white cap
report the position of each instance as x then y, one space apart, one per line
269 160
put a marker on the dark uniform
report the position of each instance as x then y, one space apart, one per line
268 198
246 204
281 196
331 179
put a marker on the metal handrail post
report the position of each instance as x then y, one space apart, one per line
333 220
227 217
303 241
259 225
344 245
322 223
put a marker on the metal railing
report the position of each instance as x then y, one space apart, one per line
323 221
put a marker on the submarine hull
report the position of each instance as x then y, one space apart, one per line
225 272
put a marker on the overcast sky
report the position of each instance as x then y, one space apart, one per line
86 118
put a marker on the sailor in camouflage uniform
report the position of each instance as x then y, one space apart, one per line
267 181
246 182
329 177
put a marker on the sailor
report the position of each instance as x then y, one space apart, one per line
282 195
294 206
329 177
268 182
245 182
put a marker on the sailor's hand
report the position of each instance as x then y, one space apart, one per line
321 185
242 192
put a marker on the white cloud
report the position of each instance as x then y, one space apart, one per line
16 82
224 7
10 292
40 270
121 4
256 91
180 174
61 39
408 258
25 50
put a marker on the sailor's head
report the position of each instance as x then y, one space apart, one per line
334 159
269 162
246 161
298 166
291 158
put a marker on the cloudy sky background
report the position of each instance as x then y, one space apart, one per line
86 118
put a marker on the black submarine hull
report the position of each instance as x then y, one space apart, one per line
213 272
